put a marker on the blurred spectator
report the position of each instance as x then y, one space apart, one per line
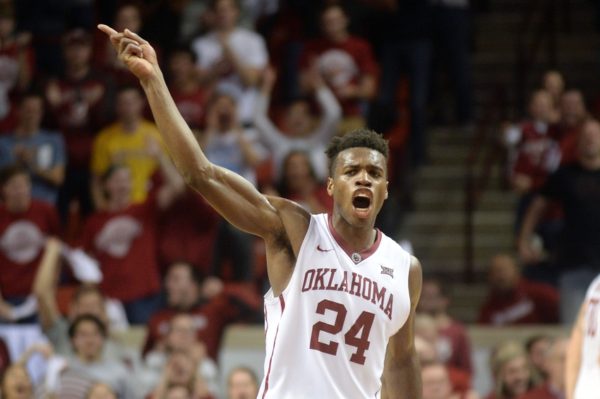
79 103
131 141
24 226
301 130
212 305
573 114
511 371
86 299
180 371
554 84
16 383
428 353
437 385
536 347
187 232
513 300
346 63
181 337
452 30
87 365
406 47
189 96
453 341
123 237
48 21
230 56
242 383
554 367
533 155
577 188
101 390
227 143
299 183
39 151
16 65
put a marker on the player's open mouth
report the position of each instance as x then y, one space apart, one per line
361 202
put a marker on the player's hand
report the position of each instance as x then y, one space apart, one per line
136 53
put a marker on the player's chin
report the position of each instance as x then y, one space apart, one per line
363 214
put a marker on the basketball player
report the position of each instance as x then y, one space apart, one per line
583 353
339 315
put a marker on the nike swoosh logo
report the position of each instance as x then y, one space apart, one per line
323 250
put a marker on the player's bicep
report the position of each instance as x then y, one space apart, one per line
237 200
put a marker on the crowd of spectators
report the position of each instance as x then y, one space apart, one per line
98 231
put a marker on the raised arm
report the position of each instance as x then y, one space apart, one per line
573 361
45 282
530 221
402 372
232 196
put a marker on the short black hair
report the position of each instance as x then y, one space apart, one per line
10 171
184 47
366 138
83 318
195 273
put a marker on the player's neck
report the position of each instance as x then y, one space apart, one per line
357 238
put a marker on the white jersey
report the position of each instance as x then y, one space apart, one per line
327 333
589 370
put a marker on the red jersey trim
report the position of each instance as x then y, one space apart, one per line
365 253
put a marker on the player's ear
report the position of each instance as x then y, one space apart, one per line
387 184
330 186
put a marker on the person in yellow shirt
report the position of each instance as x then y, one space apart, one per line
130 141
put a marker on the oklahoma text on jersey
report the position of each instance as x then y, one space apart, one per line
351 283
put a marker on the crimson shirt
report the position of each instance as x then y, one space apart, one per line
84 109
460 347
124 243
22 240
341 64
237 303
529 303
187 232
191 106
538 154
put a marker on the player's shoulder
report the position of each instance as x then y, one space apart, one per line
294 218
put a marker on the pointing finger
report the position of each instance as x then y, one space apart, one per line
107 29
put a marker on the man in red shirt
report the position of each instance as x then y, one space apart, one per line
454 345
514 300
122 238
24 226
345 61
554 366
212 305
78 105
